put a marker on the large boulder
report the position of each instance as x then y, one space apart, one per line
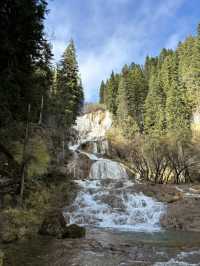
55 224
96 147
183 215
74 231
79 166
164 193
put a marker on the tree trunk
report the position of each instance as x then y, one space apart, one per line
23 174
63 147
41 111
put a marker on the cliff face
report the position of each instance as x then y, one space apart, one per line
93 126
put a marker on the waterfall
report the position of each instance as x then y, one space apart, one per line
105 168
107 198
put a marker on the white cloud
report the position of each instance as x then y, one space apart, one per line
97 66
128 43
127 40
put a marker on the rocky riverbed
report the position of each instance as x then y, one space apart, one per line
182 205
109 248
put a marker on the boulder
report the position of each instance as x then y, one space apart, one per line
183 215
54 224
164 193
97 147
74 231
79 166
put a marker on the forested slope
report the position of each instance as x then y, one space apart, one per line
153 105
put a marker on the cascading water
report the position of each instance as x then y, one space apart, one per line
107 199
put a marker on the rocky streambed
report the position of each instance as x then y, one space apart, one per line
103 247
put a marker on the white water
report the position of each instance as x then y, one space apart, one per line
183 259
105 168
106 199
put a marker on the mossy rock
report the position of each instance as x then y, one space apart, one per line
54 224
74 231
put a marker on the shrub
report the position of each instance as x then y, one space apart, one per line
37 155
162 159
118 145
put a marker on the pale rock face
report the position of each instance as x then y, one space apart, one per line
93 126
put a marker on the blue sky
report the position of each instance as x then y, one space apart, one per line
110 33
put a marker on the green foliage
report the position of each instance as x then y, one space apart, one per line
112 90
101 92
18 224
37 156
129 127
161 96
24 52
154 117
69 91
40 197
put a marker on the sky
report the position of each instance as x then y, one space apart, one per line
111 33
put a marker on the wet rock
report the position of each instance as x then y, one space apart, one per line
113 201
79 166
183 215
88 146
74 231
164 193
97 147
54 224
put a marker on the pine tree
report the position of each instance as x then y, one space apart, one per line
177 110
125 120
150 67
136 94
154 120
196 69
102 92
22 48
69 87
110 92
122 110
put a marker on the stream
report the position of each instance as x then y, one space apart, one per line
122 226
